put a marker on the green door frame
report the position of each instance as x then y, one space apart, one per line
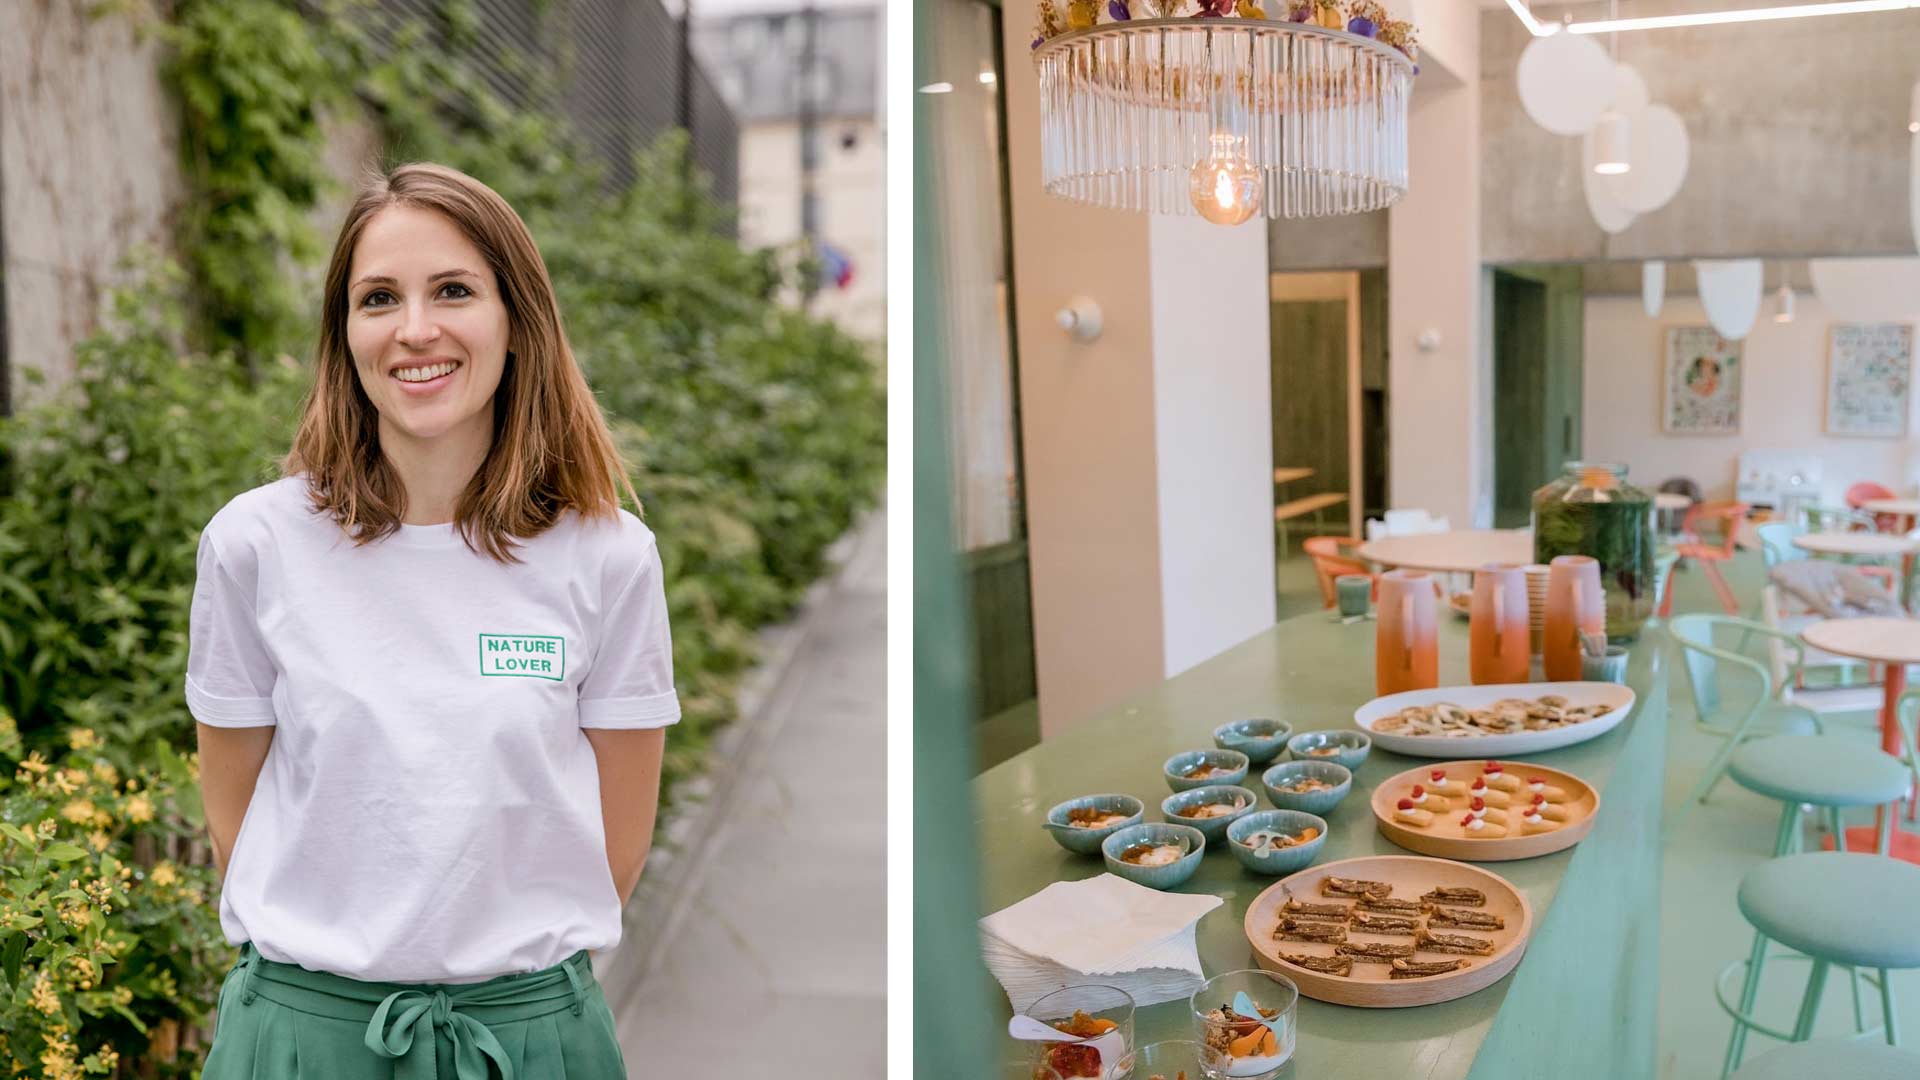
954 1035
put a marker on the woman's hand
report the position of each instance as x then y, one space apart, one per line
230 761
629 798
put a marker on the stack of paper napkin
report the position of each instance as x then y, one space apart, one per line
1105 930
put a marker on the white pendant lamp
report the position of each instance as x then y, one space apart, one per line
1783 304
1607 212
1653 286
1730 290
1610 135
1565 82
1659 151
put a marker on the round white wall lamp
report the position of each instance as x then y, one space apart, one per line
1080 319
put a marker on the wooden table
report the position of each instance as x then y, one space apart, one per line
1459 552
1288 474
1865 545
1894 643
1597 904
1906 508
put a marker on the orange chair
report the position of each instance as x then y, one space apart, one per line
1333 556
1728 516
1866 491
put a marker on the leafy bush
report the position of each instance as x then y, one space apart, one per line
107 946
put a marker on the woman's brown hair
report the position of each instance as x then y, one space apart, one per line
552 449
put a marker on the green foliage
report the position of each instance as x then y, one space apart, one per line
112 480
99 956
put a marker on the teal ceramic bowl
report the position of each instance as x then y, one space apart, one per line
1177 767
1260 740
1309 802
1351 747
1155 832
1213 828
1276 861
1087 841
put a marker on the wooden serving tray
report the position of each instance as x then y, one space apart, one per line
1370 987
1447 839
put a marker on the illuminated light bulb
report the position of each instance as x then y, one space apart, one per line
1610 139
1783 300
1226 188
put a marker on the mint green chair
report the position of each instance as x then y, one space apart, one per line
1776 542
1706 662
1822 771
1831 907
1852 1060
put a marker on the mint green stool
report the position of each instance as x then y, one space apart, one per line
1851 1060
1856 910
1822 771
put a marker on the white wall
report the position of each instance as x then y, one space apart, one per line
1213 417
851 185
1783 401
1439 437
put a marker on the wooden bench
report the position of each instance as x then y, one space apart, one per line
1311 504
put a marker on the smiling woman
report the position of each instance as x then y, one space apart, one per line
431 764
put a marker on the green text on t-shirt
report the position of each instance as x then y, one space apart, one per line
532 656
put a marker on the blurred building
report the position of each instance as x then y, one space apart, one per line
89 140
805 85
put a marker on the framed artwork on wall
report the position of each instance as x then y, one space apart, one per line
1869 373
1700 387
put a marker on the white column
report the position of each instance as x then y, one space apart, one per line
1148 452
1438 400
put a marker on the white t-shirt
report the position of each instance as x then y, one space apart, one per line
430 808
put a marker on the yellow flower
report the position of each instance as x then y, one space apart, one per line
1246 9
44 997
34 764
79 810
100 840
81 738
139 810
48 828
163 875
63 782
106 774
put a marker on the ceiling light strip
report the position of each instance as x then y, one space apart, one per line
1708 18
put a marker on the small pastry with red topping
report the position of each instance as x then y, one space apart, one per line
1492 795
1481 829
1537 785
1409 814
1478 808
1533 821
1496 776
1546 809
1426 800
1440 783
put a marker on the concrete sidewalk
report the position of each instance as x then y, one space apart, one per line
761 951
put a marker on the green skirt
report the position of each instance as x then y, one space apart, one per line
282 1022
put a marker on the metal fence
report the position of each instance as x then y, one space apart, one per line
621 80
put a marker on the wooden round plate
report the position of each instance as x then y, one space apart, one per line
1448 839
1370 986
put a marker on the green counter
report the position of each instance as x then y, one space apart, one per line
1580 1004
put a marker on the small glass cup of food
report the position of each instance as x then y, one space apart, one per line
1245 1021
1096 1031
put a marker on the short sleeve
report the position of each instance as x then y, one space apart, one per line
630 685
230 675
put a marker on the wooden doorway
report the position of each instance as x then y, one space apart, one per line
1328 368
